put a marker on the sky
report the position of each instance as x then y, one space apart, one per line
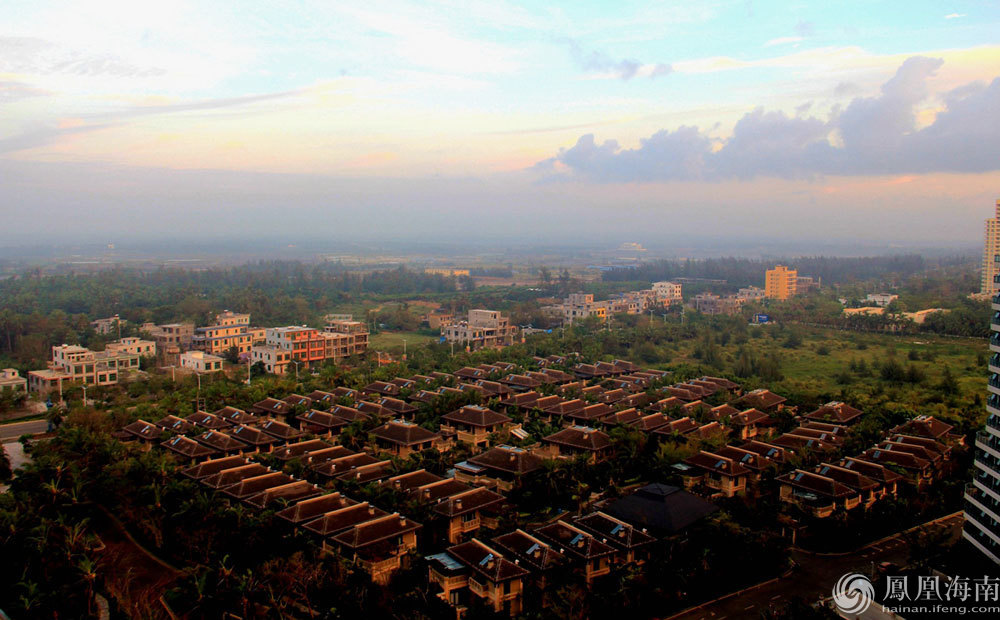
658 122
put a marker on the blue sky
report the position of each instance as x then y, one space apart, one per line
680 105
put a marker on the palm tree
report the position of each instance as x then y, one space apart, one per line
88 568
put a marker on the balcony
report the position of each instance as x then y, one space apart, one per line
988 442
977 499
984 523
993 404
988 463
982 542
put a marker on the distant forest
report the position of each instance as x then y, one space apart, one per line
739 272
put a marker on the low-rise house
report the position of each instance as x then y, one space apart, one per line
424 396
536 555
372 410
378 546
188 449
208 421
231 475
287 493
558 377
321 423
835 412
12 381
937 452
248 487
888 480
300 449
142 431
319 396
210 468
682 394
467 511
800 444
223 443
724 384
340 519
612 397
522 383
639 401
136 346
351 414
745 424
582 548
677 428
624 416
816 495
402 439
770 451
339 465
281 431
932 428
569 443
399 408
474 424
722 413
256 440
404 483
493 389
868 489
307 510
298 400
762 400
315 457
522 402
589 415
588 371
381 388
663 510
710 431
824 436
563 408
651 422
471 374
176 425
759 466
483 572
503 467
824 427
200 362
272 407
668 405
237 416
716 472
630 543
364 474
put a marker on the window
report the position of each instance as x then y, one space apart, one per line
469 516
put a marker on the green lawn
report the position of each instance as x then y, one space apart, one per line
392 342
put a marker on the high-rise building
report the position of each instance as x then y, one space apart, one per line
982 497
991 248
780 282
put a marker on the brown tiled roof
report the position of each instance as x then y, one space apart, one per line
423 379
524 399
558 376
231 475
927 443
340 519
210 468
580 437
345 392
566 406
443 376
273 406
833 429
486 562
291 492
474 415
142 429
651 422
576 387
793 441
298 400
635 400
508 459
591 413
249 487
396 406
319 396
381 387
775 453
747 417
220 441
424 396
848 477
207 420
468 501
252 436
375 531
348 414
314 457
610 369
404 384
915 450
667 403
697 390
835 411
337 466
522 381
711 429
295 450
236 416
469 388
694 407
493 388
751 460
875 471
817 434
411 480
723 411
588 371
176 425
404 433
924 426
280 430
471 373
309 509
368 473
613 396
574 542
625 416
372 410
506 366
490 368
759 399
725 384
715 463
815 483
531 551
626 366
321 420
438 490
682 394
682 426
613 531
708 387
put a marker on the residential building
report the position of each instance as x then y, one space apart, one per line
200 362
581 547
171 339
46 381
815 494
378 546
982 497
275 360
467 511
989 285
722 475
108 326
881 299
780 283
574 441
752 294
474 424
667 293
402 439
502 467
137 346
480 570
231 329
76 363
12 381
708 303
483 329
351 336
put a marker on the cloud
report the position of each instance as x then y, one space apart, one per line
783 41
595 61
954 15
15 91
805 29
870 136
37 56
44 135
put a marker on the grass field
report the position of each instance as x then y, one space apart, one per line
392 342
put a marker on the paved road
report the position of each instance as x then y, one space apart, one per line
814 577
16 429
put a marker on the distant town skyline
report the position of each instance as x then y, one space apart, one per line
875 122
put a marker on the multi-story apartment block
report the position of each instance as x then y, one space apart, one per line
172 336
352 336
79 364
780 283
483 329
12 381
708 303
991 249
138 346
230 330
306 347
107 326
275 360
752 293
667 292
982 497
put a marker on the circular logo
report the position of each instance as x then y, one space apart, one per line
853 593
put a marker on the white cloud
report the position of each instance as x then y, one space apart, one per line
954 15
784 41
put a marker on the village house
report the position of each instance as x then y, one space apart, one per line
402 439
815 494
378 546
467 511
575 441
835 412
590 555
477 569
474 424
726 476
631 544
502 467
762 400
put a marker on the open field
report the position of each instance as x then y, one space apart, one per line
392 342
